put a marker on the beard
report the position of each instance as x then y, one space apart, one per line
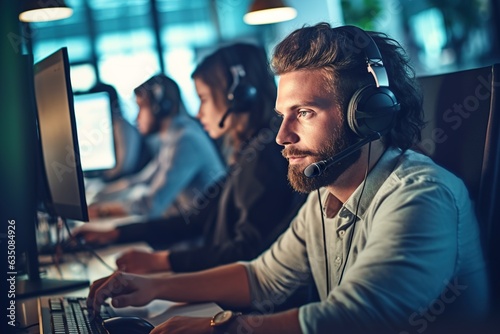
341 139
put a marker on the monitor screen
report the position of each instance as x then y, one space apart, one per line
94 121
58 136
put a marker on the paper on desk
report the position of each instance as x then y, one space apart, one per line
159 311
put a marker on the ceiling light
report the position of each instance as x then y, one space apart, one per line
269 11
39 11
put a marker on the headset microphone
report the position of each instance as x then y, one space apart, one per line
223 119
317 168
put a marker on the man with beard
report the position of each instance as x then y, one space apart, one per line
388 237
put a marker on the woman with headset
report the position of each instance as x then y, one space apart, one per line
241 215
185 161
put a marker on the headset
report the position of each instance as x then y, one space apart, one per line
372 109
156 92
241 95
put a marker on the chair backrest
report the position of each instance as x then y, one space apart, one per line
463 135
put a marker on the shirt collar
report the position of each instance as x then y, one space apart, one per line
374 180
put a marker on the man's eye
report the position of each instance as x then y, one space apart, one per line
304 113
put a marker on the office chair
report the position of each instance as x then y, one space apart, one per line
463 135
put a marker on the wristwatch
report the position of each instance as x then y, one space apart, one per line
223 318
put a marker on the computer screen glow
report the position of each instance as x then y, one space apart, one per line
95 131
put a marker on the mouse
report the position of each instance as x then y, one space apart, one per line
132 325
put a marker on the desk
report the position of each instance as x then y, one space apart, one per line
86 266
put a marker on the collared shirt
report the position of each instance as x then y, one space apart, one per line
413 245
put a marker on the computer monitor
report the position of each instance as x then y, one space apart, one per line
94 121
58 136
60 186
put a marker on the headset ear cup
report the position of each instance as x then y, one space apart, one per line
161 108
372 109
244 97
165 107
351 112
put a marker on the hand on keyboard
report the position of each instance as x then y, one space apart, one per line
70 315
124 289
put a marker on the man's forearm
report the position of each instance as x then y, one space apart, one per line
226 285
283 322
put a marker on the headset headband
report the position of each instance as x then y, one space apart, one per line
374 62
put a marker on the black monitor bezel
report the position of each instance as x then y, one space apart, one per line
64 210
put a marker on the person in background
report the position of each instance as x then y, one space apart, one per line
132 153
242 215
389 237
185 160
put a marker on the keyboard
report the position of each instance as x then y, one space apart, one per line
59 315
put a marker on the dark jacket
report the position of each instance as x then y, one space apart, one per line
238 217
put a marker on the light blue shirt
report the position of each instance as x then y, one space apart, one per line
415 255
185 164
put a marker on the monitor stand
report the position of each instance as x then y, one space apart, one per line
33 285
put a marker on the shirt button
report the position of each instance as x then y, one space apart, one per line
341 233
338 259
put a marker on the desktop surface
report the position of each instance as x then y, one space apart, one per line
86 266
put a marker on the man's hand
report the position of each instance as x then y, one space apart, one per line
143 262
184 325
124 289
